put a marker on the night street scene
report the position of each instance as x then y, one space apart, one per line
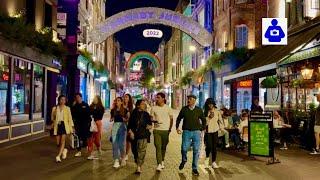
159 89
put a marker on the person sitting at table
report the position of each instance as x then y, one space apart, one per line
278 123
237 137
223 126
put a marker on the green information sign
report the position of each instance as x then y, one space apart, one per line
259 138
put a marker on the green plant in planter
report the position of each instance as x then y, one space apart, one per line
186 79
312 106
111 84
270 82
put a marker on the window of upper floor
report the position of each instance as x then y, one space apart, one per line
241 36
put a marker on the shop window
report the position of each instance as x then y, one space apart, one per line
241 36
4 79
38 92
315 4
20 107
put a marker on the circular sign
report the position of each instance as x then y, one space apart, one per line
152 33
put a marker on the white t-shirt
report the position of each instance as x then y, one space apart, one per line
162 115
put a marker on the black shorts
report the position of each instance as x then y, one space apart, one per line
61 129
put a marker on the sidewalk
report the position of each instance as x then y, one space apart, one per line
35 160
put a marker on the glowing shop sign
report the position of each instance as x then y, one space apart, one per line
152 33
150 15
245 84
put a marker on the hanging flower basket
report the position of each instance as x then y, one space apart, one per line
270 82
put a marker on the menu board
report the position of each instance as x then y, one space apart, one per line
259 138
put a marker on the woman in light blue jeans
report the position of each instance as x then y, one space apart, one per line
119 115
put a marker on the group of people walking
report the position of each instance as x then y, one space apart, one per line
132 128
77 120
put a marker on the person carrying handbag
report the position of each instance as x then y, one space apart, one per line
97 111
62 126
139 131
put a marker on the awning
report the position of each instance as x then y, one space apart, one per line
267 57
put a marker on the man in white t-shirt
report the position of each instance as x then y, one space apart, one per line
163 121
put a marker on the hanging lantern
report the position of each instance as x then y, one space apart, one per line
307 72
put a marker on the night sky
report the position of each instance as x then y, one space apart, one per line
131 39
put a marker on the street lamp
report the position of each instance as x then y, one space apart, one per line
307 71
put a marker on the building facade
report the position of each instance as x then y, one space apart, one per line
24 82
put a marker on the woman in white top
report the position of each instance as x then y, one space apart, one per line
214 119
62 125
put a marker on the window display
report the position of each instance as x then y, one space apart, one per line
21 90
38 92
4 78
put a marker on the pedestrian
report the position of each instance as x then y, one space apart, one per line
62 125
97 111
162 116
128 104
316 117
255 107
214 121
119 115
139 130
82 119
194 122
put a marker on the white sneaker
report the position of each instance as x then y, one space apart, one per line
78 154
314 152
227 145
91 157
162 165
116 164
207 163
159 168
58 159
126 158
138 171
64 153
215 165
123 162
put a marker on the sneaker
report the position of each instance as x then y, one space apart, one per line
315 151
181 166
159 168
116 164
227 145
123 162
58 159
195 172
215 165
207 163
78 154
64 153
283 148
126 158
138 171
162 165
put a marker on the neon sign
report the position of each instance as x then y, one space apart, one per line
5 77
131 63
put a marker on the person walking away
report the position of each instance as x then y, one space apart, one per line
81 116
128 104
62 125
316 116
119 115
97 111
214 119
162 116
194 122
139 130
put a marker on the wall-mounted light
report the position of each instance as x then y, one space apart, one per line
173 64
307 72
192 48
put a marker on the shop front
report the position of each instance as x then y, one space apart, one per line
23 93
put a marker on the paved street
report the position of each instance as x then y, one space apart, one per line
35 160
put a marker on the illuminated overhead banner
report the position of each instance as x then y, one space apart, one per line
150 15
134 62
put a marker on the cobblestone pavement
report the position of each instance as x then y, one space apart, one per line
35 160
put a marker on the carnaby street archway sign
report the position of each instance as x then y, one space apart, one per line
150 15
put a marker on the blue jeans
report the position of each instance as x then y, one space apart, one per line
119 134
187 138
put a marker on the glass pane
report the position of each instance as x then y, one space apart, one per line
4 79
38 92
21 91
